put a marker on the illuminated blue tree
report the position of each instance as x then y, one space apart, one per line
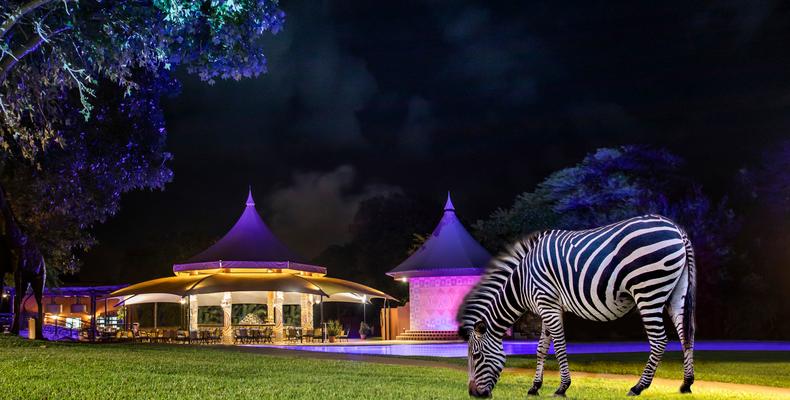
80 90
52 48
612 184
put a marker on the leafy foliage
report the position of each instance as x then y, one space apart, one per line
609 185
80 89
70 188
612 184
52 48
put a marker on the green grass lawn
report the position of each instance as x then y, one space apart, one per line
755 368
142 371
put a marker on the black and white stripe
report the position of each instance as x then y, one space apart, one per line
598 274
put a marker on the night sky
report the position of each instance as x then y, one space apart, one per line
481 98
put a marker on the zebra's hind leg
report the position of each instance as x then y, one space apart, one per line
543 349
653 320
552 321
676 313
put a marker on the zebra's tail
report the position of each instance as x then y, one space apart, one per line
689 304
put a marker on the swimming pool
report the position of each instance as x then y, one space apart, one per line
527 347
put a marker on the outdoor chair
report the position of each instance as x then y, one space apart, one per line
307 335
343 336
289 334
242 336
297 335
257 336
268 335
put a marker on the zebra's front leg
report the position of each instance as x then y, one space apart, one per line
552 321
653 320
543 349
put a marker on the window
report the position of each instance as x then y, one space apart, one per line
292 315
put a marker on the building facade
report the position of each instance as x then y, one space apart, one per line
440 274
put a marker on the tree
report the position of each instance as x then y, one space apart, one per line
763 248
70 188
612 184
52 49
80 85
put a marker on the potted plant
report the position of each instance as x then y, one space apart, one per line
333 328
364 330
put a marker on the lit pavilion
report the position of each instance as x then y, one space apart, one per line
248 265
440 273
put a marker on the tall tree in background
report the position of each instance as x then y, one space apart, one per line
763 280
612 184
80 86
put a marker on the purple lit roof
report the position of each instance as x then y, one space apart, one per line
248 244
450 250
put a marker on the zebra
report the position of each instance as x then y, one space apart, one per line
598 274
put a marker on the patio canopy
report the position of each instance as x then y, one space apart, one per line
249 244
172 288
449 251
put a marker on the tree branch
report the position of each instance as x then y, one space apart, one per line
32 45
19 13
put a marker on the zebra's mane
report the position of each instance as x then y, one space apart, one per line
496 274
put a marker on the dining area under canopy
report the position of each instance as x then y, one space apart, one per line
248 265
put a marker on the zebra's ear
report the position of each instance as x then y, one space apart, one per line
480 327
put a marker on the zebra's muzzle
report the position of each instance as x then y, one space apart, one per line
474 392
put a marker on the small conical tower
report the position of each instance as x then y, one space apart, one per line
248 245
440 273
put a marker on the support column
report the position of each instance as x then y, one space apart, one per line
270 307
193 313
279 297
227 328
306 314
93 317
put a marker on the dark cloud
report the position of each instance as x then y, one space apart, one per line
316 208
415 136
494 57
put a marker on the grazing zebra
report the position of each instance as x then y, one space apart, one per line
598 274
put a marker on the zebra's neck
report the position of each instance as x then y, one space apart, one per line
506 300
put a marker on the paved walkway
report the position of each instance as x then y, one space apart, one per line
779 393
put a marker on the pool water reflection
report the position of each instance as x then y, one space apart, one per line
528 348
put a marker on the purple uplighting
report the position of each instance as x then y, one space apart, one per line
528 348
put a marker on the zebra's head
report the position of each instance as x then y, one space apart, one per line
486 358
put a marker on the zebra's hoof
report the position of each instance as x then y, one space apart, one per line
532 392
559 394
632 393
685 388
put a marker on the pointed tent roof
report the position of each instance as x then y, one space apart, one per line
450 250
248 244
